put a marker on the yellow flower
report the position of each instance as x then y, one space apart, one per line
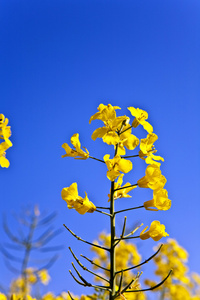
44 276
140 118
147 149
31 276
112 124
122 193
117 165
81 205
156 231
105 112
4 162
160 201
5 131
153 178
127 139
3 297
77 153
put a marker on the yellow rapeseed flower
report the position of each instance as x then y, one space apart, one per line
156 231
81 205
153 178
5 131
140 118
117 165
127 139
112 124
4 162
160 201
77 152
147 150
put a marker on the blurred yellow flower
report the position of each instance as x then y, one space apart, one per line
156 231
44 276
3 297
117 165
77 153
160 201
153 178
140 118
81 205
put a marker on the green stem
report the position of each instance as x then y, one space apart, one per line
97 159
125 187
119 211
112 243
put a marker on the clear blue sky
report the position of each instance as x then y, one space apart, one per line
58 61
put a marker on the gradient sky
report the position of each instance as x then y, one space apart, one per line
58 61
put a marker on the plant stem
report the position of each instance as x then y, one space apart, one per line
112 243
97 159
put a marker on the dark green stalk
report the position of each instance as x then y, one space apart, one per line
112 243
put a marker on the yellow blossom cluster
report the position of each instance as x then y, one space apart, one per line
5 133
117 132
126 256
180 285
22 286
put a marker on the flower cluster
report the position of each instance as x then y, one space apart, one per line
181 285
22 286
5 133
117 131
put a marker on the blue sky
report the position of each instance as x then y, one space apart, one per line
58 61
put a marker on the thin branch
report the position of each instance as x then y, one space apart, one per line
120 282
102 212
126 129
81 277
128 285
125 187
50 263
129 238
48 239
53 248
81 283
84 268
93 263
130 156
10 256
70 296
85 282
47 219
127 209
142 263
133 231
97 159
123 231
100 207
80 239
153 287
10 267
10 235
